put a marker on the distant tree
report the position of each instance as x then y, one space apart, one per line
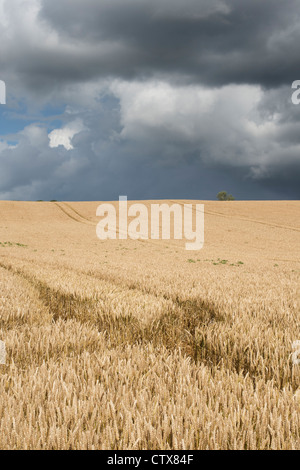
223 196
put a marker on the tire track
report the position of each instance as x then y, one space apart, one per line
244 219
78 213
175 328
76 217
183 326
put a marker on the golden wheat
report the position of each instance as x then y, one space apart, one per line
143 345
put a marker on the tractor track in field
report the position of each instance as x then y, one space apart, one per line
173 329
244 219
74 215
177 328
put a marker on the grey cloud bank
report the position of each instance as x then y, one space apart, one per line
161 98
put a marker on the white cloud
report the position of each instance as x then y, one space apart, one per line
216 120
5 146
65 135
226 125
35 135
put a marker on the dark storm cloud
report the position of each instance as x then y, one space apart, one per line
216 43
104 170
162 98
104 164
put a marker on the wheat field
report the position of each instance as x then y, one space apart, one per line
125 344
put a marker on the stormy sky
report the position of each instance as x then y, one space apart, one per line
149 99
